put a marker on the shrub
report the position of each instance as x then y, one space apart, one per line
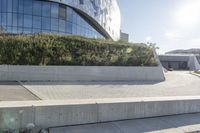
43 49
198 72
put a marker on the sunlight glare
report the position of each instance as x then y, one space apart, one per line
188 14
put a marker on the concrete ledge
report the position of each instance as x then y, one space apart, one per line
186 123
46 114
80 73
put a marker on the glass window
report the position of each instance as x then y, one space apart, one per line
89 27
87 33
9 19
46 23
83 24
14 19
90 34
74 29
69 28
37 8
0 19
9 5
54 24
20 20
69 14
61 25
86 26
81 2
27 30
79 20
4 5
28 7
21 7
0 5
62 12
46 9
15 5
78 30
54 10
28 21
14 30
3 18
74 17
82 31
37 22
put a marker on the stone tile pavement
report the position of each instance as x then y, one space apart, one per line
13 91
178 83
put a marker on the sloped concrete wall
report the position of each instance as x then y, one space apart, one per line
197 65
46 114
193 63
80 73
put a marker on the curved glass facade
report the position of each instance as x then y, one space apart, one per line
105 12
53 16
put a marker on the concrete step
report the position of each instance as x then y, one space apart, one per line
188 123
46 114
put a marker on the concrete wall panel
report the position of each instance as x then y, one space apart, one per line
46 116
80 73
62 113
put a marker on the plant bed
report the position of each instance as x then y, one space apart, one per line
43 49
197 72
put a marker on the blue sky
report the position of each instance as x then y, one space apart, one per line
171 24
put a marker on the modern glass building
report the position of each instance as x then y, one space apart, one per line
89 18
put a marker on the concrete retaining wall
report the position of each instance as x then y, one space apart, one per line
80 73
61 113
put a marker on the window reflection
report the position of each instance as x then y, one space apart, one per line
37 22
61 26
9 19
27 21
3 6
14 22
54 10
4 18
20 20
37 8
46 9
28 6
15 5
69 28
9 5
62 12
69 13
21 6
46 23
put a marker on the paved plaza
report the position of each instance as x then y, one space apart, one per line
13 91
178 83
